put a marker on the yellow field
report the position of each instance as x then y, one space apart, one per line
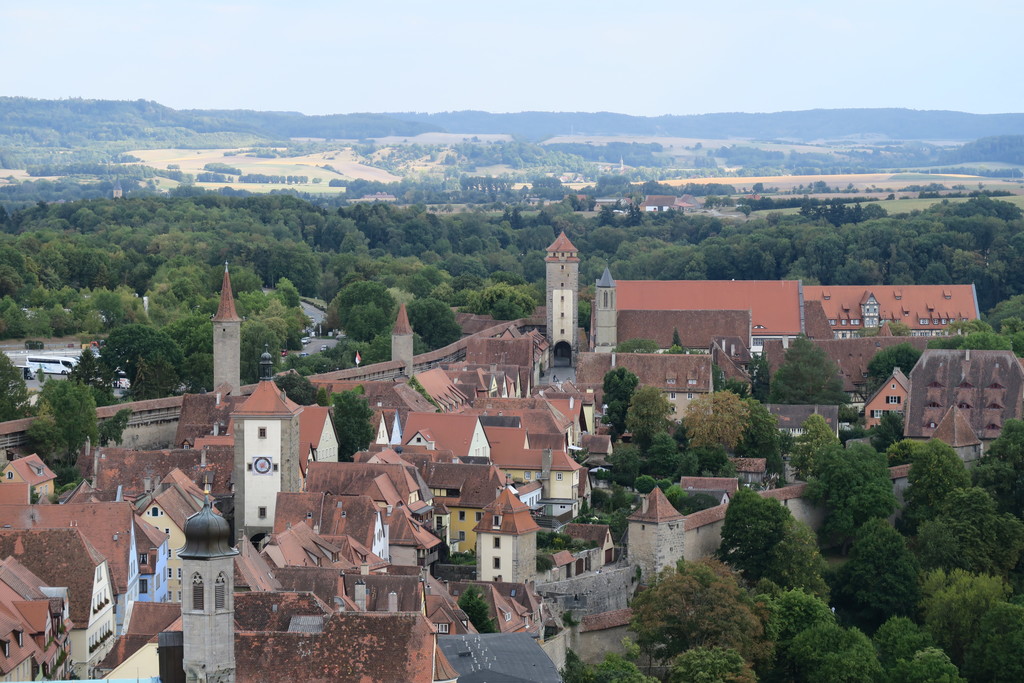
895 206
888 182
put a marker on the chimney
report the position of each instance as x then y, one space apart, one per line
613 359
217 399
202 457
392 601
364 569
545 463
967 356
216 428
572 402
361 595
146 488
316 529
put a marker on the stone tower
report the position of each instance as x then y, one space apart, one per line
227 339
563 276
401 341
207 606
266 453
656 533
605 314
506 541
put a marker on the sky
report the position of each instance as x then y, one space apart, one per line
643 58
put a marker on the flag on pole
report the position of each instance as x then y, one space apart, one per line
359 359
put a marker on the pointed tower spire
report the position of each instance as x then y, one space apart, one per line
226 310
402 325
401 341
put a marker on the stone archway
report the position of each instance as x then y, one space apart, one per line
561 355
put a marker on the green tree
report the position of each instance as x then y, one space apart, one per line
828 653
815 438
476 608
111 429
67 417
194 336
797 562
647 415
880 578
807 376
256 338
711 665
619 385
760 377
90 372
954 604
434 322
149 357
761 437
363 310
1001 470
352 423
888 431
902 356
995 654
288 293
321 397
615 668
930 665
637 346
753 528
935 471
503 301
13 392
899 638
297 388
699 604
854 486
969 533
790 613
663 457
716 419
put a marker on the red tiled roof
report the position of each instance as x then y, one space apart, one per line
561 244
595 533
268 399
562 558
452 431
402 325
696 328
515 516
655 508
774 305
32 469
955 430
226 309
666 371
908 304
706 516
728 484
606 620
899 471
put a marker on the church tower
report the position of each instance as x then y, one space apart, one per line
227 339
208 606
605 314
563 276
266 453
401 341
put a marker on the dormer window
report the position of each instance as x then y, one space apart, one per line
995 406
992 425
6 644
18 636
995 385
496 521
963 405
965 385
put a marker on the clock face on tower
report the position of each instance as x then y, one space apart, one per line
262 465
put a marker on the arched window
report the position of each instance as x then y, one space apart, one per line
605 300
197 592
220 588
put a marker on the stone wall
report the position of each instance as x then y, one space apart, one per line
592 646
555 647
454 572
600 591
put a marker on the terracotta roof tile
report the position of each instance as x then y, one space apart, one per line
907 304
706 516
955 430
402 325
561 244
655 508
226 308
32 470
696 328
595 533
728 484
606 620
130 469
268 399
514 516
668 372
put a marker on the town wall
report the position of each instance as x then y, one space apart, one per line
604 590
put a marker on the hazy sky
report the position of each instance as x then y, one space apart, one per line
649 58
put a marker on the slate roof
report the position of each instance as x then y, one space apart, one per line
696 328
774 305
60 557
655 508
986 385
498 658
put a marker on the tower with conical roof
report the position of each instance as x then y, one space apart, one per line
401 341
656 533
563 279
227 339
266 453
207 606
605 315
506 540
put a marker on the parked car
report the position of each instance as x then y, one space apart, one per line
323 347
305 340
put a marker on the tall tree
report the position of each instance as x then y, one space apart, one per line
149 357
619 385
935 471
67 417
1001 470
716 419
899 638
13 392
888 431
476 608
880 578
710 664
815 437
930 665
829 653
297 388
954 604
352 423
698 604
807 376
647 415
902 356
753 528
995 654
434 322
854 486
761 437
363 310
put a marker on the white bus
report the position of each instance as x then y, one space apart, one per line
51 365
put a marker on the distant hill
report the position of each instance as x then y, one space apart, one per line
1003 148
814 124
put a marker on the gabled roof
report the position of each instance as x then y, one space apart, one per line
252 573
130 469
452 431
473 485
955 430
32 470
329 515
299 546
268 399
606 620
728 484
896 376
386 484
408 590
907 304
594 533
514 516
226 309
666 371
697 328
311 424
441 389
774 305
655 508
200 412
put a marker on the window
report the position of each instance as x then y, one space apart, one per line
672 395
689 396
496 520
558 476
170 573
7 647
497 563
877 413
995 406
832 321
964 405
691 381
892 400
924 321
508 616
497 542
143 585
462 535
197 592
527 475
10 475
462 515
442 628
262 512
262 432
155 512
220 592
670 380
143 558
479 516
179 573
